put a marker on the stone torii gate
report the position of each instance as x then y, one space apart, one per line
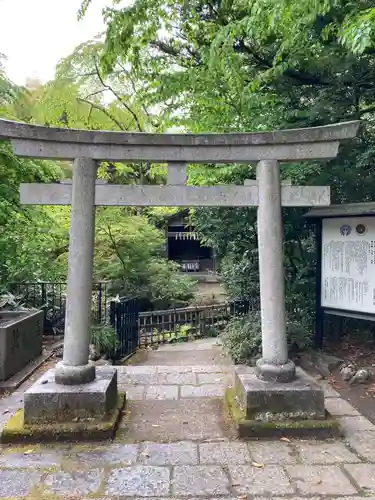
87 148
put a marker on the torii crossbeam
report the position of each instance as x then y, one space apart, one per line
86 148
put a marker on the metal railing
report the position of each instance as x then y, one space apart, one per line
182 323
124 314
51 298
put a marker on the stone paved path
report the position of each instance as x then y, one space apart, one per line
176 442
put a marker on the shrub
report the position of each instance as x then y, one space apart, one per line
11 302
105 340
243 337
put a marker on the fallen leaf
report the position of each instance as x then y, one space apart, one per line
287 440
256 464
27 452
6 411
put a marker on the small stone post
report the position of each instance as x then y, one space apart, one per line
274 364
75 367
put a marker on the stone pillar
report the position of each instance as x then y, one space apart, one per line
75 367
274 364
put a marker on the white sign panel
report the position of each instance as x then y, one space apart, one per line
348 264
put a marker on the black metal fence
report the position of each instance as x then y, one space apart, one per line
182 323
51 298
124 315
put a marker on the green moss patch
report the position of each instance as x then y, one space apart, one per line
318 429
15 431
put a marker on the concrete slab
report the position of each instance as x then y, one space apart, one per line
180 357
137 378
162 392
218 369
363 443
339 407
35 460
173 369
180 453
351 425
203 391
210 378
133 392
269 480
168 421
141 480
224 453
176 379
329 391
321 480
73 483
363 475
103 456
200 480
132 370
273 453
17 483
46 401
325 453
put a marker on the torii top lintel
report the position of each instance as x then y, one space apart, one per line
284 145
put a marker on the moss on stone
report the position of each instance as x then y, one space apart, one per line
234 409
15 431
320 429
40 492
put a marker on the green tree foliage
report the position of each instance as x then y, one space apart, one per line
26 250
129 251
34 241
8 91
25 233
234 65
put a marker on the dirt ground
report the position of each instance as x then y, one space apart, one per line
360 351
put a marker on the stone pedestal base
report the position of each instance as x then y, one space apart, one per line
48 402
74 375
270 408
302 398
276 373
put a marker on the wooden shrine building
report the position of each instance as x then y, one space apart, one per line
183 245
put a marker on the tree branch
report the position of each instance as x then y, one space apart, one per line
94 93
369 109
119 98
103 110
114 245
303 77
168 49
